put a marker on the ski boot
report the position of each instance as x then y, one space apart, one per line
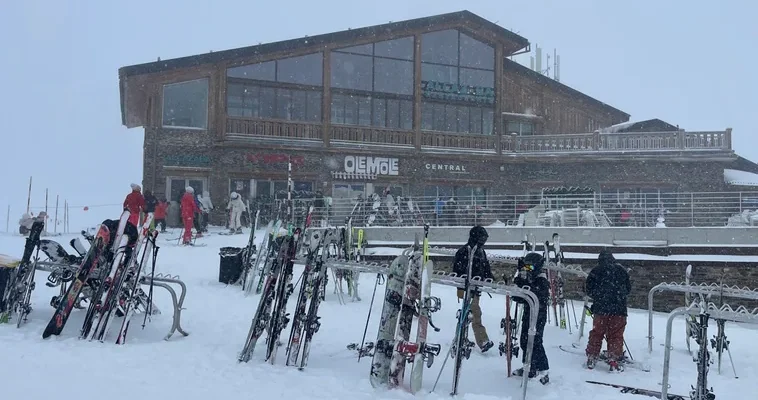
486 346
615 366
591 362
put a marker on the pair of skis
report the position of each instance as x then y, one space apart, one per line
18 297
305 322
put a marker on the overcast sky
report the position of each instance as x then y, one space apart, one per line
690 63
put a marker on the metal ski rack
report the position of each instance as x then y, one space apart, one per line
165 281
490 286
725 312
703 289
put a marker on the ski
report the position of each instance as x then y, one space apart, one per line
411 297
462 346
312 323
644 392
426 307
90 263
18 296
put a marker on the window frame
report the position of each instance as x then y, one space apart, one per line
207 80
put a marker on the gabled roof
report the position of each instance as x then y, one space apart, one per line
515 67
336 37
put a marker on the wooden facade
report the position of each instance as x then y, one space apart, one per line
426 121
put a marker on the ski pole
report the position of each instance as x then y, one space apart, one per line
627 350
370 307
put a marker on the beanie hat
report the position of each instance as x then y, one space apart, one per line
135 187
234 195
478 232
189 189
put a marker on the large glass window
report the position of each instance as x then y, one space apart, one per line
458 83
251 93
367 111
456 118
520 128
351 71
375 84
255 101
185 104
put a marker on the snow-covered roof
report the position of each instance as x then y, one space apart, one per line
616 128
740 178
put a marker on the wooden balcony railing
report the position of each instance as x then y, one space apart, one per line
366 134
679 141
274 129
463 141
549 143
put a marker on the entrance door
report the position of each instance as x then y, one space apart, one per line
175 187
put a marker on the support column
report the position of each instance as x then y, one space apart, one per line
497 129
417 95
326 98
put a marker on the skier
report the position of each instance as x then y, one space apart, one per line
608 285
160 214
531 276
237 207
206 206
150 202
135 204
189 208
479 268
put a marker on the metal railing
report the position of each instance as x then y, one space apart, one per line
617 209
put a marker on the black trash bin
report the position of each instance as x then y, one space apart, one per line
230 266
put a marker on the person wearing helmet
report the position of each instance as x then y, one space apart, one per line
480 268
189 208
236 207
608 285
531 276
135 204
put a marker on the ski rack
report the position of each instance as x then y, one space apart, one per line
165 281
704 289
725 312
549 264
452 279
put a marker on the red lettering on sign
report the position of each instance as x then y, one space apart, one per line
275 159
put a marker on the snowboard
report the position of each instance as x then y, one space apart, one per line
393 298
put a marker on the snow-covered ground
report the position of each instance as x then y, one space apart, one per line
204 364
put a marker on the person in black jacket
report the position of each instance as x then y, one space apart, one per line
480 268
608 285
532 275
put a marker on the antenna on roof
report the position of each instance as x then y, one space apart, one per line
159 58
557 71
538 65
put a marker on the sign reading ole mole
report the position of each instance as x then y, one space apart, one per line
372 165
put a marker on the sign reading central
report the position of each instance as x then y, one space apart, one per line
371 165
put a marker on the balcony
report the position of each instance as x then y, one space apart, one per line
582 144
272 129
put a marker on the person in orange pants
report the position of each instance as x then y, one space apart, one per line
608 285
189 208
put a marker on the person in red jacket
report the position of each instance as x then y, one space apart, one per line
160 214
135 204
189 208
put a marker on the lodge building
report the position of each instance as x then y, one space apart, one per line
426 107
